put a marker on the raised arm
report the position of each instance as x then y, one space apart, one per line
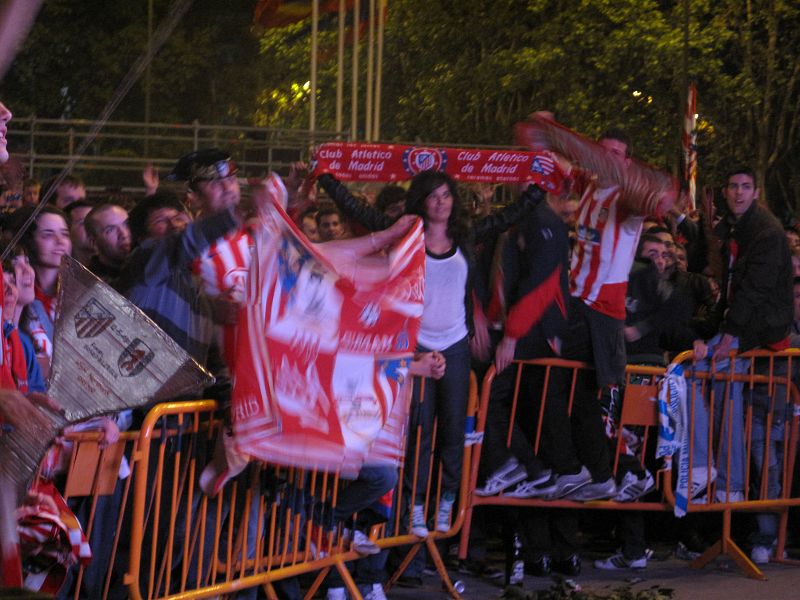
352 207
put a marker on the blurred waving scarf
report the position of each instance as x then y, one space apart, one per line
321 379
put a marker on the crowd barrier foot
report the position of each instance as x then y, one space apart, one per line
440 568
433 551
323 573
269 591
344 573
726 546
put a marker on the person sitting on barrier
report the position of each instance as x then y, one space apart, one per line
446 323
371 487
535 269
757 309
770 417
613 206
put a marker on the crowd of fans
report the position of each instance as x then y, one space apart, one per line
586 274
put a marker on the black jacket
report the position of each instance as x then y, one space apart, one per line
486 228
757 302
536 275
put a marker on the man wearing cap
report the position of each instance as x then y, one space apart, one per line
211 176
222 268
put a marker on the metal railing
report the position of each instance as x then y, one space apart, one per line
123 148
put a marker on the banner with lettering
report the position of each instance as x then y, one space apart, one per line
390 163
321 378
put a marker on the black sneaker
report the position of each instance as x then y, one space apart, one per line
409 581
570 566
539 567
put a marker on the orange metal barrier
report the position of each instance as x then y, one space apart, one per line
268 524
640 410
99 496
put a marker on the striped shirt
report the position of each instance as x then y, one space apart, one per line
608 234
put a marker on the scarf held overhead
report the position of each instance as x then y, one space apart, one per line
321 379
390 162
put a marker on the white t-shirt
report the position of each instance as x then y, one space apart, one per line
444 314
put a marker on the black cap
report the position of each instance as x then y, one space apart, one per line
201 165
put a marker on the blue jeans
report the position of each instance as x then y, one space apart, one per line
734 415
762 405
446 399
360 494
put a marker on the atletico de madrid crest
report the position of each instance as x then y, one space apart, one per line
92 319
416 160
546 174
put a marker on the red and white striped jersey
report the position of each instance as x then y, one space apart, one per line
222 271
222 268
608 235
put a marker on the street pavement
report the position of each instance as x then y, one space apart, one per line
720 580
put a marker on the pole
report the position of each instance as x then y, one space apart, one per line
340 69
312 105
370 69
354 90
376 122
148 80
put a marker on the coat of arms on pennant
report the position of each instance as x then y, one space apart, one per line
103 361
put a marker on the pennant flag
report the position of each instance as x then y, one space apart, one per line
392 162
689 139
108 356
321 379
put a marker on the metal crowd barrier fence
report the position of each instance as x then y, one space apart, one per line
767 396
266 525
123 148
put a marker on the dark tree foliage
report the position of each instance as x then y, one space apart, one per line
455 71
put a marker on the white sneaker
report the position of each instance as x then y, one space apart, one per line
418 526
567 484
363 544
530 488
701 479
618 562
594 491
375 593
445 510
510 473
337 593
632 488
760 555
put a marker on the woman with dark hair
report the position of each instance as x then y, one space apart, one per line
446 321
45 242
